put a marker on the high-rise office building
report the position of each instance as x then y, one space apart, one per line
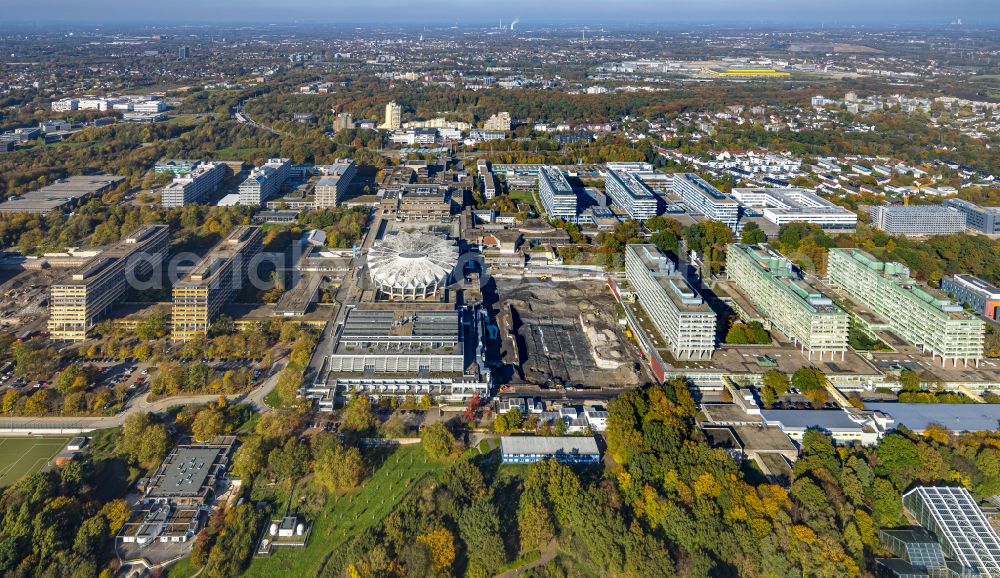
919 315
499 121
680 314
91 290
917 219
982 219
333 185
702 198
184 52
213 282
630 194
393 116
194 186
556 193
794 306
265 182
344 121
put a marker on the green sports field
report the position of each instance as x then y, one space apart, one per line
20 456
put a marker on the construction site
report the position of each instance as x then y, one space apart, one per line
565 335
26 295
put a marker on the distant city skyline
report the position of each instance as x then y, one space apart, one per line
479 12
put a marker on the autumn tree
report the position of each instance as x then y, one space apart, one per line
441 544
358 415
438 440
534 523
142 440
338 468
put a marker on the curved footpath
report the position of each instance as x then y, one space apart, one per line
21 426
550 553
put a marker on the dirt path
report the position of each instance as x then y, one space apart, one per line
547 556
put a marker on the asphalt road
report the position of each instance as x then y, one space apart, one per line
141 404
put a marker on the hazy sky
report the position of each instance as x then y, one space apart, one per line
469 12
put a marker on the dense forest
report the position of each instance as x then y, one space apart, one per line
667 505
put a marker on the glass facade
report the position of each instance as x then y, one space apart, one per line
962 529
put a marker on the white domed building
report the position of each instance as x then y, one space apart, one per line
412 266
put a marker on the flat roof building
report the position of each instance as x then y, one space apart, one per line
961 527
844 428
175 166
93 289
558 198
193 186
981 296
919 315
265 181
178 497
982 219
393 351
917 220
630 193
782 206
213 282
332 187
566 449
399 341
67 192
189 474
490 185
277 217
418 202
704 199
797 308
955 417
676 308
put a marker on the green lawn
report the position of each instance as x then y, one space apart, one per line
524 197
397 474
22 456
182 569
183 120
272 399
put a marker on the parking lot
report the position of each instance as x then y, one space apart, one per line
126 378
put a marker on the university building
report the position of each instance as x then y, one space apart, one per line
213 282
91 290
919 315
